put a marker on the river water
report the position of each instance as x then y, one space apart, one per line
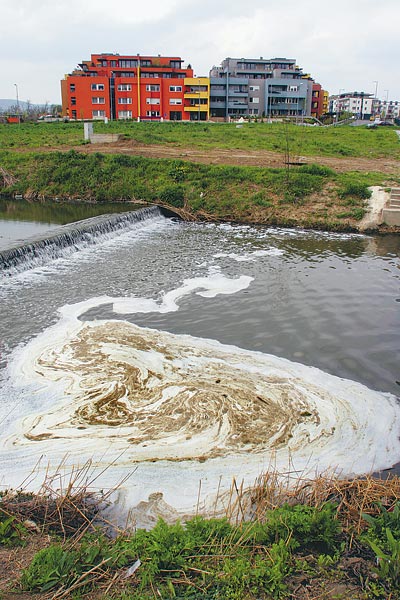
188 354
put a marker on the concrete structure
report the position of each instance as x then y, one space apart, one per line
391 213
110 86
388 109
359 104
259 87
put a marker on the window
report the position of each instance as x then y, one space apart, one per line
127 74
97 87
152 88
293 88
152 100
124 100
98 100
71 87
124 87
175 64
73 101
153 113
124 114
113 63
128 63
254 88
175 101
98 114
73 114
254 100
175 88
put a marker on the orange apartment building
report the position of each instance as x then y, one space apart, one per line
318 101
134 87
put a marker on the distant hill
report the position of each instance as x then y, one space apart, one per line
6 104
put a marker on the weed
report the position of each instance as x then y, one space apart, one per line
50 567
173 195
354 189
11 531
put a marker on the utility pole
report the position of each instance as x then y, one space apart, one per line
19 112
375 97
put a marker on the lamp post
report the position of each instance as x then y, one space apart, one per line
375 98
18 111
386 103
338 104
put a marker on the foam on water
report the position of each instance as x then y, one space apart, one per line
180 409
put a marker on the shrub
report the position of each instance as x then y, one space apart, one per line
260 200
173 195
50 567
303 526
355 189
11 531
314 169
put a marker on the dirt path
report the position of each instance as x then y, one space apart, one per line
258 158
232 156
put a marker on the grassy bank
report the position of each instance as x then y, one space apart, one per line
334 539
344 141
309 195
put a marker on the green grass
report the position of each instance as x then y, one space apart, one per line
263 195
212 559
342 141
201 559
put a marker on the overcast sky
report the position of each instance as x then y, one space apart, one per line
344 45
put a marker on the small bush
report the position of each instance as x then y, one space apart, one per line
259 199
11 531
314 169
173 195
357 190
50 567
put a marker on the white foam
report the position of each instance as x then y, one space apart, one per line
210 397
250 256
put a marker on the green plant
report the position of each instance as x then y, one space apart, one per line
50 567
173 195
177 172
388 568
314 169
11 531
304 527
385 519
358 190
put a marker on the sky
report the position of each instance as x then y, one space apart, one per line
345 45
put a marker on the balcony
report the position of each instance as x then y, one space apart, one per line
237 104
238 93
285 106
221 93
196 95
217 104
196 108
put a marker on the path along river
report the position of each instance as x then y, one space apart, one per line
181 353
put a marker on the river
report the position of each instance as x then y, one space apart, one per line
182 355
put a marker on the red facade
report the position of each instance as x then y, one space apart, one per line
126 87
317 101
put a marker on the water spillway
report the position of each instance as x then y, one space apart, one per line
175 356
74 236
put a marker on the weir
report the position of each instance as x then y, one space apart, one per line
74 235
